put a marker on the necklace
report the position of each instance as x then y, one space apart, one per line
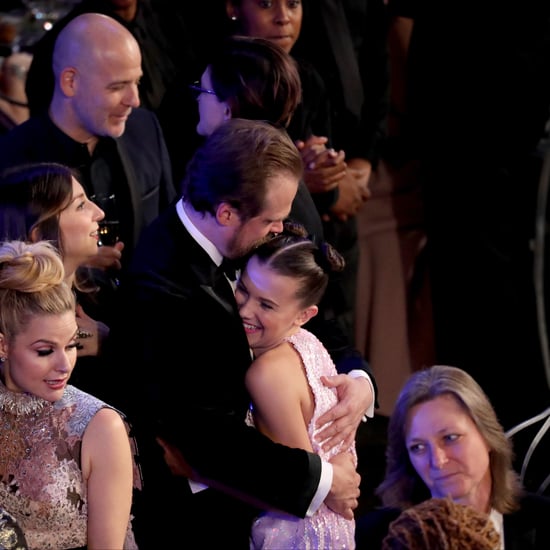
19 410
20 404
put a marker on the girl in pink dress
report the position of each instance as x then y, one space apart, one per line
277 293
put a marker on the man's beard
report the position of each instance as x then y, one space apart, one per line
238 251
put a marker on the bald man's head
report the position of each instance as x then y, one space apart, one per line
97 69
91 38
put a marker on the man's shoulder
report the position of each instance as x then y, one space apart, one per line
32 126
167 229
142 127
141 116
24 142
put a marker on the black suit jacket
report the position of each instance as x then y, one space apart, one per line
141 149
526 529
188 354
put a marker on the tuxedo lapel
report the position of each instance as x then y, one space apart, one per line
129 173
221 295
212 279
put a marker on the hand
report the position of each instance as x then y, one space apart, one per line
361 170
339 424
311 147
362 181
175 460
325 172
324 168
91 334
344 491
107 257
349 199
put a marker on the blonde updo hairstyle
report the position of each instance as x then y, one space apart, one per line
31 284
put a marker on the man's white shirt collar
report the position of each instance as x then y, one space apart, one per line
207 245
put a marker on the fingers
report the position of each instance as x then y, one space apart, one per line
341 429
343 496
326 158
162 443
107 257
313 140
81 314
343 437
348 512
316 184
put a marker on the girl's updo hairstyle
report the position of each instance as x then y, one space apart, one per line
293 254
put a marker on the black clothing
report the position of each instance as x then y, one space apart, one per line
135 165
160 34
357 124
183 379
478 98
359 135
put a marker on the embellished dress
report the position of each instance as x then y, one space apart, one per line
41 481
325 529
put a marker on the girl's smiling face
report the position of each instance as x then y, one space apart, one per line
268 306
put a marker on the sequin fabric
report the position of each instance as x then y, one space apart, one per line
325 529
41 482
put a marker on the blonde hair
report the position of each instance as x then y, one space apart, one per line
402 486
31 283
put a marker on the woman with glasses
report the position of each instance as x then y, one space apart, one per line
256 79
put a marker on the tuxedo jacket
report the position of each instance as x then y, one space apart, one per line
187 354
526 529
141 149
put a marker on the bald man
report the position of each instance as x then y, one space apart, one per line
94 124
97 68
164 39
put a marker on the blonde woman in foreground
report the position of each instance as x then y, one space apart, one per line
66 466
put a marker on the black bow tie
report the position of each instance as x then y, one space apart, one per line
230 268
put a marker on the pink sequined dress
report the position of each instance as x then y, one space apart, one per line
325 529
41 482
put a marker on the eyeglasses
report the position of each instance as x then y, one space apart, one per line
197 89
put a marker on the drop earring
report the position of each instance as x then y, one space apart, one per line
233 18
2 359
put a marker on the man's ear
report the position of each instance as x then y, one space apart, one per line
67 81
226 215
306 315
227 114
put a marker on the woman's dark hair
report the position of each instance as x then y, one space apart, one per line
257 78
293 254
32 197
